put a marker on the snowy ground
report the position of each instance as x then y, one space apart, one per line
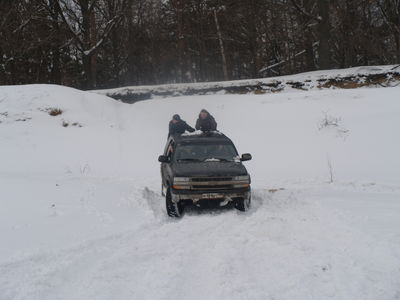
81 216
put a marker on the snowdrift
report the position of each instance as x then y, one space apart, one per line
82 217
358 77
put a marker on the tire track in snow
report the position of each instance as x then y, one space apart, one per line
280 250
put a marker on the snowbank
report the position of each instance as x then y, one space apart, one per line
371 76
82 217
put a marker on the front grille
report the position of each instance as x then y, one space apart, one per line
211 183
212 187
208 179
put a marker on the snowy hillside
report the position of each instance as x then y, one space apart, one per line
82 217
358 77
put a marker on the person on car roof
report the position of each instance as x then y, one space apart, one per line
178 126
206 122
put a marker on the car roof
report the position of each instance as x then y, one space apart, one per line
208 137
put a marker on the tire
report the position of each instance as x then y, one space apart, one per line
243 204
174 210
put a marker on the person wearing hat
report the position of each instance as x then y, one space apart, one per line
206 122
178 126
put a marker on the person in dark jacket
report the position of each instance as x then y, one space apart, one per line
178 126
206 122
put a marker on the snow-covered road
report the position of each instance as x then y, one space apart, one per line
320 242
82 217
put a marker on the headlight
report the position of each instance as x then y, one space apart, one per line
181 179
245 178
240 186
241 181
181 183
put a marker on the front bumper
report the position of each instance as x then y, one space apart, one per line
217 195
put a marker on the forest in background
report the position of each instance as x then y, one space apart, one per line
109 43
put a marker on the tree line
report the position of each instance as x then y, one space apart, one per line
108 43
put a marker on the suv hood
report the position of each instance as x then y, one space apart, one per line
208 169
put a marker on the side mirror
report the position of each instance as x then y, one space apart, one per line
163 159
246 157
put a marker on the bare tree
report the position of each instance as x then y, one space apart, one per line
221 45
390 10
318 11
109 43
80 18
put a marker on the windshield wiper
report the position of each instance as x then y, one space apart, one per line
189 159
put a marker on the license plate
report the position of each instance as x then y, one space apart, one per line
212 196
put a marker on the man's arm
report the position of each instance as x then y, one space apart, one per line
198 124
189 128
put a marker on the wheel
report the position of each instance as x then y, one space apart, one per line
174 210
243 204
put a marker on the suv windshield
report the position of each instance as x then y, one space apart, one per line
205 152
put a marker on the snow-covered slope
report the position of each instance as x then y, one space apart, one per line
81 216
357 77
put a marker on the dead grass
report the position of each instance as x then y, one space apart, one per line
23 119
272 191
67 124
54 112
343 84
355 82
259 92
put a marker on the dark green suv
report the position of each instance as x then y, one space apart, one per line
203 169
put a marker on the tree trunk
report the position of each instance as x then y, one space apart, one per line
349 36
397 41
308 38
93 59
221 47
87 42
308 45
179 5
324 34
55 76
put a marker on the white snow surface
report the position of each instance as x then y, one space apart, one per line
82 216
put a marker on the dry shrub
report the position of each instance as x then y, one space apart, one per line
67 124
396 77
329 121
23 119
343 84
259 92
275 190
54 112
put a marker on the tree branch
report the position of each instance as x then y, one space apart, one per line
74 34
285 60
107 30
304 12
387 20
